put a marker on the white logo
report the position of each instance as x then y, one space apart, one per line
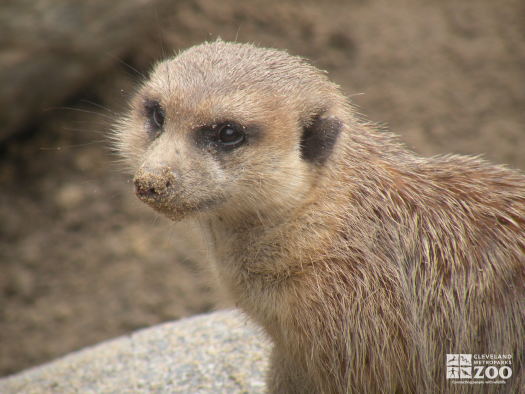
480 368
459 366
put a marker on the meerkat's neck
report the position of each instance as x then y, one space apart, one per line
238 236
253 247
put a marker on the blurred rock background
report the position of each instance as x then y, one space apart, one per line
80 259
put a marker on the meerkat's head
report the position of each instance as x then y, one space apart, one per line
227 126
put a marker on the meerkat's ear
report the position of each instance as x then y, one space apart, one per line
319 138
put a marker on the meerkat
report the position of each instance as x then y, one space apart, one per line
364 263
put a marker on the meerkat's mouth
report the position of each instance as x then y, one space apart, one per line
172 207
179 211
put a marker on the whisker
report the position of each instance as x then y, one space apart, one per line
127 65
44 148
100 106
79 110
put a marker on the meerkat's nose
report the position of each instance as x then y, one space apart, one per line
153 184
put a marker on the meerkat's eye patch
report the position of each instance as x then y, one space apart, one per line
319 138
155 117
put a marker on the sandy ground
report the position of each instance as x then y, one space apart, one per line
81 260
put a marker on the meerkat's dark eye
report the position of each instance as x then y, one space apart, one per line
158 117
224 136
155 116
230 134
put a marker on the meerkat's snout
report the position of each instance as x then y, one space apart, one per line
154 186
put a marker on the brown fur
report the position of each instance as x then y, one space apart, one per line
364 270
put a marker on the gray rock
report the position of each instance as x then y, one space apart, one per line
216 353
